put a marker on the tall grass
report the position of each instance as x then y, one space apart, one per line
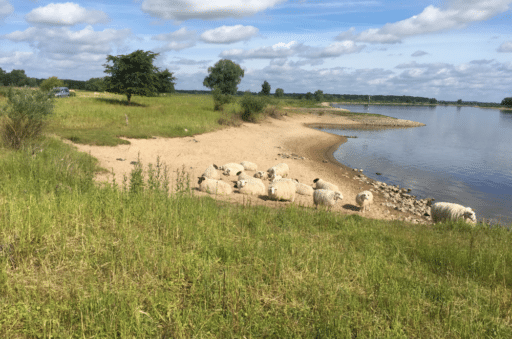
149 260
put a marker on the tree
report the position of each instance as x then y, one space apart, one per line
132 74
95 85
265 88
226 75
319 95
279 92
50 83
459 102
16 77
165 81
309 96
2 76
507 102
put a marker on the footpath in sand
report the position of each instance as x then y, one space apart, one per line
264 144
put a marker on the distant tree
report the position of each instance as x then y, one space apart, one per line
459 102
319 95
432 101
226 75
507 102
95 85
32 82
279 92
16 77
309 96
132 74
165 81
50 83
2 76
265 88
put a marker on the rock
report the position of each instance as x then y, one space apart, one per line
378 173
120 159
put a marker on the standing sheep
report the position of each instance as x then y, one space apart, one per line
281 169
364 200
213 186
211 172
326 198
324 185
441 211
249 166
251 187
282 190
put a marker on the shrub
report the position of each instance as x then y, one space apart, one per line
51 83
252 105
25 115
220 99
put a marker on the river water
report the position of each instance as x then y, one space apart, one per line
462 155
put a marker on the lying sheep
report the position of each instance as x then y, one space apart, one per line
251 186
249 166
281 169
324 185
244 176
441 211
303 189
231 168
282 190
211 172
261 175
326 198
213 186
364 200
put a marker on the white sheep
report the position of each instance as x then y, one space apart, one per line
211 172
213 186
324 185
251 186
326 198
261 175
441 211
282 190
231 168
249 166
303 189
364 200
244 176
281 169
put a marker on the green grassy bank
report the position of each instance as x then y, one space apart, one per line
100 261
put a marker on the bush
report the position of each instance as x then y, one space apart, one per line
220 99
252 105
51 83
507 102
25 115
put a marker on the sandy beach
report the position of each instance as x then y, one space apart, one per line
264 144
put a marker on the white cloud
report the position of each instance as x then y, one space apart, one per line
229 34
456 14
181 34
205 9
419 53
66 14
505 47
279 50
15 59
5 9
336 49
175 46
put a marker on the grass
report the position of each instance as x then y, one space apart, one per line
147 259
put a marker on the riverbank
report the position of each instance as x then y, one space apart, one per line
412 104
292 139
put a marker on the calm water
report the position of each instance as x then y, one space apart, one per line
462 155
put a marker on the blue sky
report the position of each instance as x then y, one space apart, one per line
448 50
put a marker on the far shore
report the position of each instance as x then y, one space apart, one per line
291 139
416 104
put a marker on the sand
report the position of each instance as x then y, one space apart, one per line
259 143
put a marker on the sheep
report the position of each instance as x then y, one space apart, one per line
255 186
244 176
324 185
249 166
211 172
281 169
364 200
303 189
261 175
326 197
213 186
441 211
232 168
282 190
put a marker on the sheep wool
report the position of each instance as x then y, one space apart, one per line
281 169
261 175
251 187
232 168
249 166
441 211
326 198
211 172
213 186
282 190
303 189
324 185
244 176
364 200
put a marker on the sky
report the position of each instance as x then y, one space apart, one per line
443 49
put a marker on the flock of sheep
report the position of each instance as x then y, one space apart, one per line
283 189
280 188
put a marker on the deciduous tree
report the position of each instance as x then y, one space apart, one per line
225 75
279 92
265 88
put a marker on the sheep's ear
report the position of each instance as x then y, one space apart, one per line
215 166
316 180
239 172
